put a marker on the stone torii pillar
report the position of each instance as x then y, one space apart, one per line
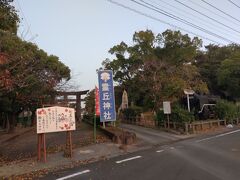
78 106
78 100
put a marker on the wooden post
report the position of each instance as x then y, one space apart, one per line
168 121
193 128
39 146
174 125
42 147
186 127
68 150
211 125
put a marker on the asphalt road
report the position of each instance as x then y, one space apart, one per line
151 136
209 158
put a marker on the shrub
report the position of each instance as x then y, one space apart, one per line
132 112
160 116
89 118
180 114
227 110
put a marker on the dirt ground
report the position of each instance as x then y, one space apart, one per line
24 145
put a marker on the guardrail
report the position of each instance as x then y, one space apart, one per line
203 125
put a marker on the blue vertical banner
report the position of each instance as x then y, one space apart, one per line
106 96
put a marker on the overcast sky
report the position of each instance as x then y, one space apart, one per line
80 32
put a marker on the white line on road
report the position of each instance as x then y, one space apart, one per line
73 175
128 159
159 151
220 135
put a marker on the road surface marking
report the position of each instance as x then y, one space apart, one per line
128 159
159 151
220 135
73 175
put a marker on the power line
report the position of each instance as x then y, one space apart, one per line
217 27
194 2
180 19
207 16
234 3
164 22
220 10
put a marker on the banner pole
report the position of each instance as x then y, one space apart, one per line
104 124
94 126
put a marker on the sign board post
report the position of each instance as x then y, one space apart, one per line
68 150
106 97
42 147
54 119
167 111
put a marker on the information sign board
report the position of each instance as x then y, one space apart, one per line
55 119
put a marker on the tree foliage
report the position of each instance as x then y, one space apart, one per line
210 61
8 16
227 110
27 73
228 76
31 72
156 67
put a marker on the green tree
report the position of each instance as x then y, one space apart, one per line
210 61
31 73
8 16
156 67
27 73
228 76
177 48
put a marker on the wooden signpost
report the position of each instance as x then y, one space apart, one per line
68 150
167 111
55 119
42 147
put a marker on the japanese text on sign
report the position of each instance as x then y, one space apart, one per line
106 96
55 119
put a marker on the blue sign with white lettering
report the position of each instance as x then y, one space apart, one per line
106 96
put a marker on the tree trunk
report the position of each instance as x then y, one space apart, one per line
7 124
12 121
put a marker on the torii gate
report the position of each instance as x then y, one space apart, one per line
78 100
